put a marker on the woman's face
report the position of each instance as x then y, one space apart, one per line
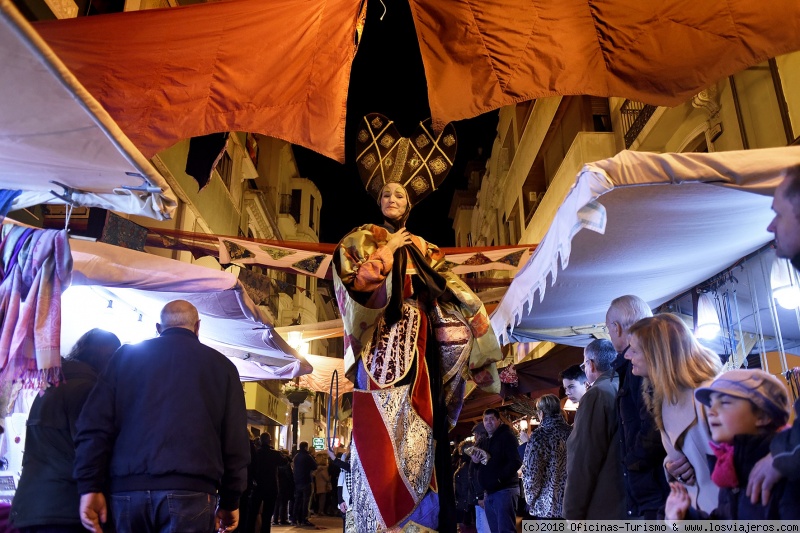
394 201
636 357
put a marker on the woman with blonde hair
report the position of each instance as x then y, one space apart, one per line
544 468
673 364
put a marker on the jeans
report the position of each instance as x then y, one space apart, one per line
501 510
163 511
481 524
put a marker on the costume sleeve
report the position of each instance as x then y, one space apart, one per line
785 449
96 433
364 260
592 436
235 446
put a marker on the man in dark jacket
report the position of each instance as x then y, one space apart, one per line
646 487
497 473
304 466
167 424
268 461
47 496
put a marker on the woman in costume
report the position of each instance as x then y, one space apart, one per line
414 333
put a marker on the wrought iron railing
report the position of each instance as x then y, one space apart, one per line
634 117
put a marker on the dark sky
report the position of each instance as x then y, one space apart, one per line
388 77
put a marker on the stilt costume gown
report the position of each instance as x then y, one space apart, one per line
414 333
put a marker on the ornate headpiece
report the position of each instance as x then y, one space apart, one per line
419 163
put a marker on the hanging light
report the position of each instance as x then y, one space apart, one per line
784 285
569 405
707 320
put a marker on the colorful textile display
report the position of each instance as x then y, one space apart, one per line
36 269
409 373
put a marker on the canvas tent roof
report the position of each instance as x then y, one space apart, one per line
230 321
654 225
54 130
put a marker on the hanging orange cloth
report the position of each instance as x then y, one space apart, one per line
480 56
279 68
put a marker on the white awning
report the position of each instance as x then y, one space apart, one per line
53 130
658 225
229 320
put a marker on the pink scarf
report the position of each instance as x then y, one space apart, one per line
724 474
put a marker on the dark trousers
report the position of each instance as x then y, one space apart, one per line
281 513
268 499
163 511
302 495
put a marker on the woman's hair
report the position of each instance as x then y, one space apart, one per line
675 360
95 348
549 405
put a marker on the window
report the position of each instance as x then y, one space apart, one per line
311 214
297 198
225 168
761 107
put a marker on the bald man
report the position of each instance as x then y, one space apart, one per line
165 432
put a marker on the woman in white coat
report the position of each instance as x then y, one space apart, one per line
673 364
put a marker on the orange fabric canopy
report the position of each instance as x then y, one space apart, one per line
482 55
280 68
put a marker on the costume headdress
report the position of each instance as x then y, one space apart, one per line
419 163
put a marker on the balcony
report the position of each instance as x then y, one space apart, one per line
587 147
634 117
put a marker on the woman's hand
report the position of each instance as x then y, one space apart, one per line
400 238
681 469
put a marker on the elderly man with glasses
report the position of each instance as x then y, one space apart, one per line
643 454
595 489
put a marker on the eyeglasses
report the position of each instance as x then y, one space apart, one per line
583 365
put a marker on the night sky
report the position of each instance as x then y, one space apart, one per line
388 77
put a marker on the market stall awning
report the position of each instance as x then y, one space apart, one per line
53 130
650 225
229 320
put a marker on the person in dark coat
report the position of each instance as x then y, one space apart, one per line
745 409
166 426
465 507
247 495
643 453
285 492
268 461
47 496
304 466
497 473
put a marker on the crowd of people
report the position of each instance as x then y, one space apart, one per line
154 438
687 451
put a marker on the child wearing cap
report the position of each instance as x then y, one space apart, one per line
745 409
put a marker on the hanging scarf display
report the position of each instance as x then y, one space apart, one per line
36 269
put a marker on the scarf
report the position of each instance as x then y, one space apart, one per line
724 474
432 280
